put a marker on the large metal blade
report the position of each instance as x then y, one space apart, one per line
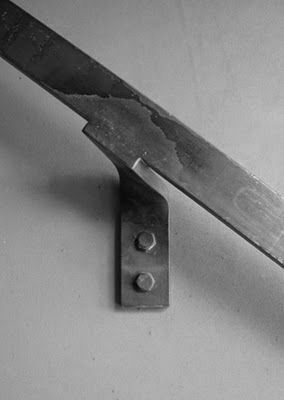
129 126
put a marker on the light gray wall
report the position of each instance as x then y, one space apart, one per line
218 66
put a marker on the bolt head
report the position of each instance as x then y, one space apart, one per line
145 281
145 241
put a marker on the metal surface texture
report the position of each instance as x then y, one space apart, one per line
143 273
144 269
128 126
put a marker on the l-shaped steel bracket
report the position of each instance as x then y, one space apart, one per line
144 233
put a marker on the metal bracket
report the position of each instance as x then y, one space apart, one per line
129 127
144 235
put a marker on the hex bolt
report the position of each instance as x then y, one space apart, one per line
145 241
145 281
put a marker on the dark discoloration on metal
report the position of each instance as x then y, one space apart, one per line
221 186
129 126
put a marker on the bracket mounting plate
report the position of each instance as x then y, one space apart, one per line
144 238
144 233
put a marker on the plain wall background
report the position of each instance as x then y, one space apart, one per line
218 66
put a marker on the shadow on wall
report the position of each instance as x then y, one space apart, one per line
217 264
54 162
227 271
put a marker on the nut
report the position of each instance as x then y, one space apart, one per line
145 281
145 241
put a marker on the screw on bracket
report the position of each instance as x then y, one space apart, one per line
145 241
145 281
